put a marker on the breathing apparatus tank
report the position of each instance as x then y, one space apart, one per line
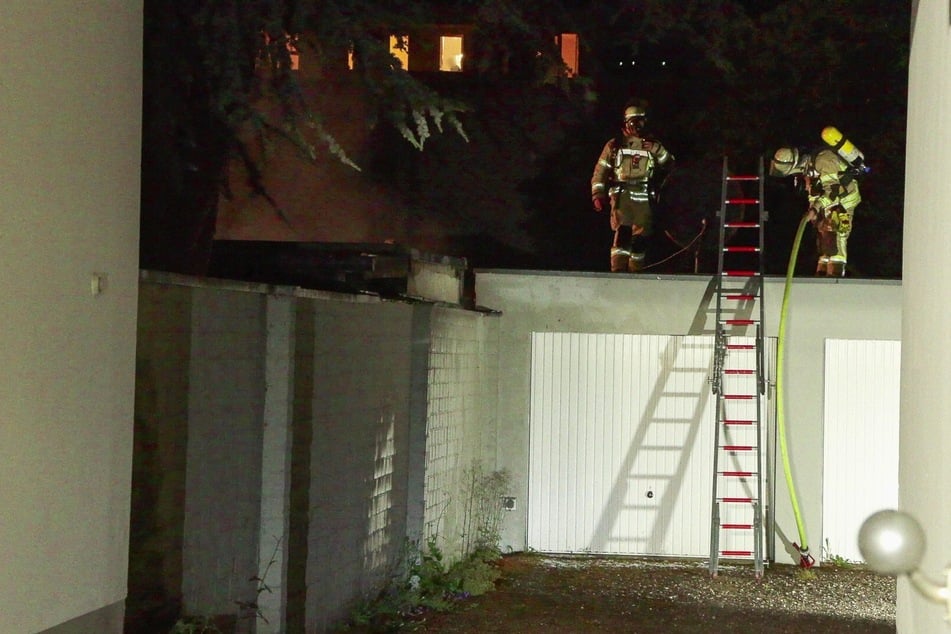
844 148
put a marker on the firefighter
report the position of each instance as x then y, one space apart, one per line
833 194
624 183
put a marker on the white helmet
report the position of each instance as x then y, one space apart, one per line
634 119
634 111
786 162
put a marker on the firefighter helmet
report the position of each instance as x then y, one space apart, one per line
634 111
634 119
785 162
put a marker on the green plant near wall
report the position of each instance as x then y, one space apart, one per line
838 560
425 581
482 519
195 625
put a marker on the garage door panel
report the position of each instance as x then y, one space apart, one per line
629 423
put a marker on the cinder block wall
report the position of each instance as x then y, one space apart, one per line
392 402
158 471
462 419
360 406
223 456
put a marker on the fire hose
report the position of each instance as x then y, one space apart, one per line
805 559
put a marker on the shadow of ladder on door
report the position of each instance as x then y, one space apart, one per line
738 381
645 509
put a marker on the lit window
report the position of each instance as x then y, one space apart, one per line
450 53
399 46
568 43
294 52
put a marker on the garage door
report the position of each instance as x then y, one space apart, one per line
621 444
860 438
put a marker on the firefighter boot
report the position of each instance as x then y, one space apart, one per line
620 260
822 266
836 268
637 262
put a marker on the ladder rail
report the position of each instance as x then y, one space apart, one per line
737 512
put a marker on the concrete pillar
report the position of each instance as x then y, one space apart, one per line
925 436
276 463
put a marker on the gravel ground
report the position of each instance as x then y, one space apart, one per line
539 593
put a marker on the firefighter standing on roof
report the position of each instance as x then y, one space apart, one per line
623 183
833 191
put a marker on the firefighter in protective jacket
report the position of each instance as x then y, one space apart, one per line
833 193
624 184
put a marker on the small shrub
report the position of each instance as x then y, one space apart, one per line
195 625
425 581
837 560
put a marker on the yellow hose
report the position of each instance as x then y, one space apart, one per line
780 408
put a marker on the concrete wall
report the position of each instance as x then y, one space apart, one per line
925 441
359 456
70 95
298 436
462 420
682 305
223 454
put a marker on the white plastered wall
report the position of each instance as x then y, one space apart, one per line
925 437
70 115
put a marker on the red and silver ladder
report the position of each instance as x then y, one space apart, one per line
738 381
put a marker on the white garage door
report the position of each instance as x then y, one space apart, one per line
621 444
860 438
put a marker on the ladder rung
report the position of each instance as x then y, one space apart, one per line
741 249
739 397
743 178
736 474
733 371
738 448
737 526
737 421
736 553
740 346
740 273
741 225
742 201
739 322
737 500
740 297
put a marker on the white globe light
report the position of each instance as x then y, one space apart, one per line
892 542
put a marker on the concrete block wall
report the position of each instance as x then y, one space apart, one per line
462 418
359 390
386 405
163 352
223 457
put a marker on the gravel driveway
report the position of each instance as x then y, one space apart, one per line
554 595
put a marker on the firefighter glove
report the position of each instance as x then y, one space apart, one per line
600 203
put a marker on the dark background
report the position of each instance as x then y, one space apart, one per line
723 79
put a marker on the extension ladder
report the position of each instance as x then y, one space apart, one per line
738 381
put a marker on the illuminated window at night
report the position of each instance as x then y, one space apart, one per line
294 52
400 51
450 53
399 46
568 43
